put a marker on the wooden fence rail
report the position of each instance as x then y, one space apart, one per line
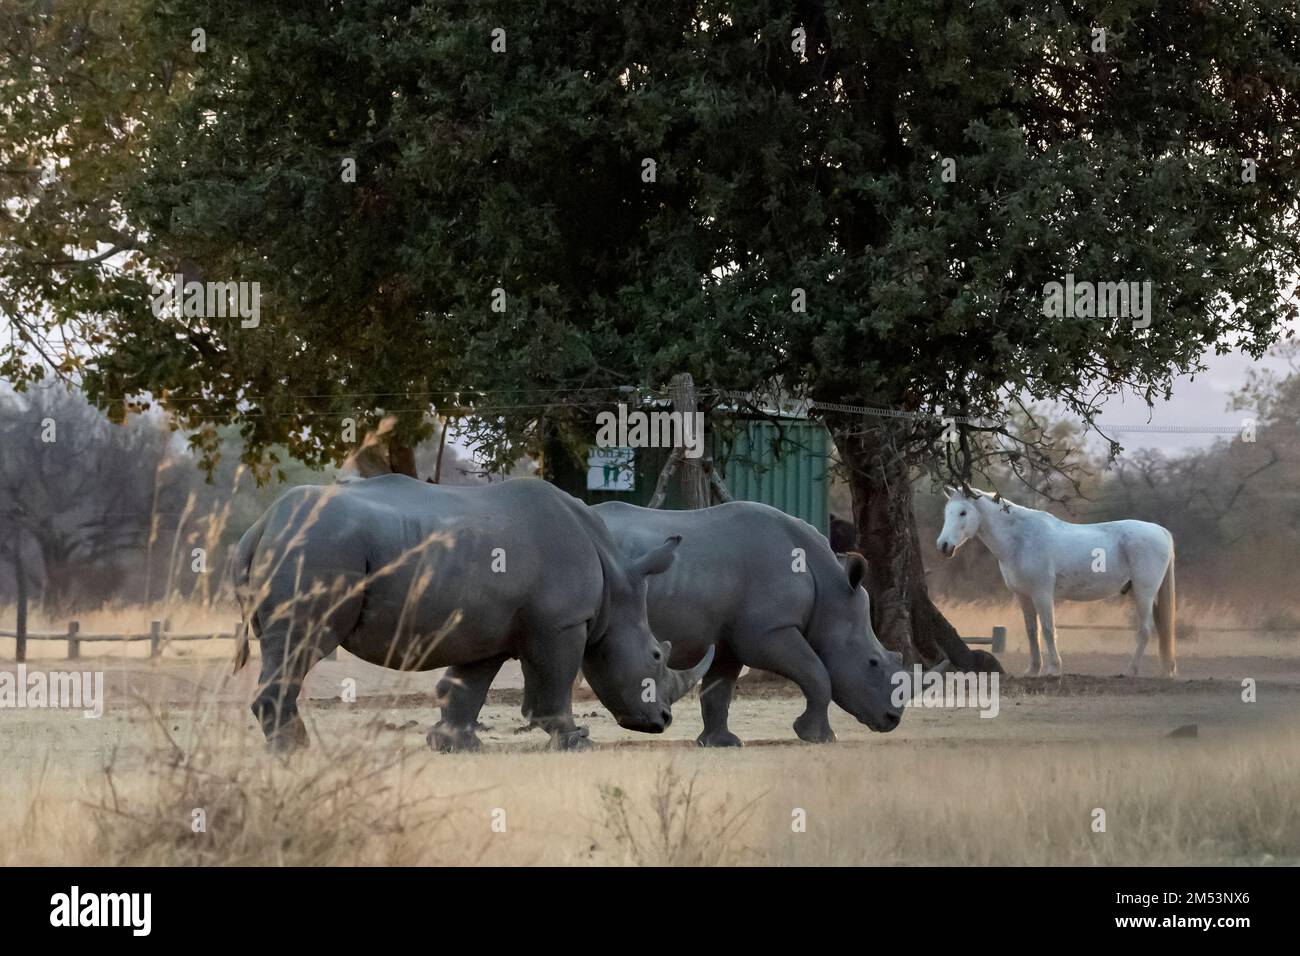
157 636
1199 627
996 642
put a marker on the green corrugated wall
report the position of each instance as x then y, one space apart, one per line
785 467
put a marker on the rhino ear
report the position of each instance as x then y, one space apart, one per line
855 568
657 561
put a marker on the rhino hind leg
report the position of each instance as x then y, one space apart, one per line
286 659
460 695
786 651
715 700
550 666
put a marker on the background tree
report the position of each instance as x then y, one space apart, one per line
77 494
794 144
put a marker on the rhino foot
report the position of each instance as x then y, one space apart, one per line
448 738
719 738
288 738
814 729
574 740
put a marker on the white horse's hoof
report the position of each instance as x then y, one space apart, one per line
1031 671
1052 670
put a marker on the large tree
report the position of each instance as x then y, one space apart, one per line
655 187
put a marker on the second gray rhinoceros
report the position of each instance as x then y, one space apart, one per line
414 576
765 590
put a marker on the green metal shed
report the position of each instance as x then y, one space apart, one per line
782 461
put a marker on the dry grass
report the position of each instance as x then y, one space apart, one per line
1012 791
377 801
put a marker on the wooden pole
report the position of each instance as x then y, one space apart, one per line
20 582
999 644
695 485
716 484
155 637
74 645
442 443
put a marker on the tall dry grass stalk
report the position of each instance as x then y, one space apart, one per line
676 825
367 795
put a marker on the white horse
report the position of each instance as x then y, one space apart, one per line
1043 557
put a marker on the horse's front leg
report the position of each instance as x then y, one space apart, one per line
1047 614
1031 632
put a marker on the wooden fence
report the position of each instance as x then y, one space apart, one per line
1208 628
996 642
158 636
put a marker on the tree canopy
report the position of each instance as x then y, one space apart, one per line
856 202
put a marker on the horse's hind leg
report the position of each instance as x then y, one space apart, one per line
1047 614
1031 632
1146 622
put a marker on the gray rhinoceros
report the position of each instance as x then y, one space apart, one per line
766 590
414 576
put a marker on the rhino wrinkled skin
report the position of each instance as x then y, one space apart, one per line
766 591
414 576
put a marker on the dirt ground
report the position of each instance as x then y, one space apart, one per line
947 786
1094 702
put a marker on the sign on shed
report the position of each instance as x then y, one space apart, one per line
611 469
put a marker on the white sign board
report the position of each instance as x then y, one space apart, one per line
611 469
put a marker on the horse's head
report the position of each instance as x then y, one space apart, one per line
961 518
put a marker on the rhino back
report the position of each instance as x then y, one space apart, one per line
465 567
733 571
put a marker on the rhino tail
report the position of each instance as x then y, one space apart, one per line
241 576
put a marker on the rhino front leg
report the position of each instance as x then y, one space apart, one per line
461 694
551 664
786 651
715 700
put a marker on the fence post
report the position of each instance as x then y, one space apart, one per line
155 637
999 639
74 644
20 582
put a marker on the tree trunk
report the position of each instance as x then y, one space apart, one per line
904 617
401 459
695 484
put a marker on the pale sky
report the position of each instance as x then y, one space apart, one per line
1200 401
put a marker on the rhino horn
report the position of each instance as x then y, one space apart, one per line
680 682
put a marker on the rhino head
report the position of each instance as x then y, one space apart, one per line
624 664
861 669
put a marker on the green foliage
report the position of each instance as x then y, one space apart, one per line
80 86
523 170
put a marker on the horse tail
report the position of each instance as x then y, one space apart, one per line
1164 614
